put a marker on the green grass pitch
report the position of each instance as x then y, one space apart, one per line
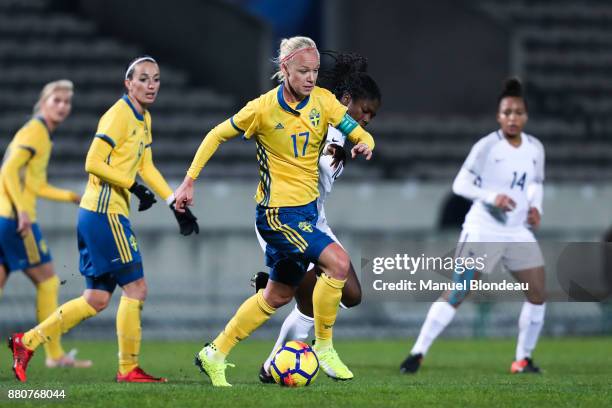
577 372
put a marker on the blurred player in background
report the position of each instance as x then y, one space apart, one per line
503 175
289 124
109 253
355 89
23 179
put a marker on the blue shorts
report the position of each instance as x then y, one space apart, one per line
17 253
109 254
293 240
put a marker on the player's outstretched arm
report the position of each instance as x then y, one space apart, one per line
341 120
219 134
152 177
50 192
364 142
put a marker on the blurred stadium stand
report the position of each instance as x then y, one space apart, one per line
559 49
38 44
562 49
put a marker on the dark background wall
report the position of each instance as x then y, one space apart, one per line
219 44
435 57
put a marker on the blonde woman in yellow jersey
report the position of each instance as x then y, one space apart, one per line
23 179
109 251
289 124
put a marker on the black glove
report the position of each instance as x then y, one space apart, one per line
146 197
339 155
188 223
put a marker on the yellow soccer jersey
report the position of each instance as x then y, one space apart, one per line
27 157
289 140
126 136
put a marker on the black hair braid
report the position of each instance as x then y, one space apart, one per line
348 75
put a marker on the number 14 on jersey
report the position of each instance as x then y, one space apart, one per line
518 181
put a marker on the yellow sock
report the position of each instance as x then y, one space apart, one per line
46 303
60 321
325 301
129 333
254 312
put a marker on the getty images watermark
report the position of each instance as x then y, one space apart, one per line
455 265
422 271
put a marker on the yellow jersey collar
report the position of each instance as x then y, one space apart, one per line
44 123
285 105
136 113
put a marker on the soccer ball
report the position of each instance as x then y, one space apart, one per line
295 364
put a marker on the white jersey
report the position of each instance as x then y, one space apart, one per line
500 168
328 174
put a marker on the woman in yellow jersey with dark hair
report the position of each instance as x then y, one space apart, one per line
109 251
23 179
289 124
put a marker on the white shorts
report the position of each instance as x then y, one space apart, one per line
321 225
517 250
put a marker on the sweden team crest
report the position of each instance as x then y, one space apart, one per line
133 243
43 246
315 117
305 226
